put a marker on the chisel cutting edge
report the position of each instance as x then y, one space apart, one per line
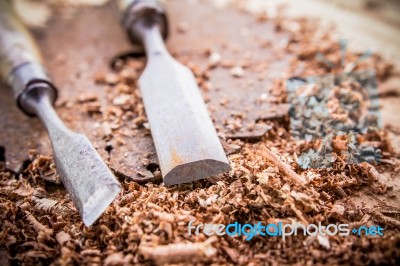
187 144
88 180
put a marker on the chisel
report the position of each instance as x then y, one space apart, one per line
88 180
187 144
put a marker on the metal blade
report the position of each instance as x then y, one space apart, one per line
186 141
86 177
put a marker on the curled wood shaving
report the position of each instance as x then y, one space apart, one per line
179 252
338 209
49 206
44 204
39 227
24 189
371 171
62 237
283 167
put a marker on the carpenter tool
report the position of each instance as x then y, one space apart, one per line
89 182
187 144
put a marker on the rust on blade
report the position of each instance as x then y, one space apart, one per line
175 158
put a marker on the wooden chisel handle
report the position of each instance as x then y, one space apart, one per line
20 60
139 14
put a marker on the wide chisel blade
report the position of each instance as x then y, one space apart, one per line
186 141
187 144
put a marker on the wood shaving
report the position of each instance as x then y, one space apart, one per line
237 72
179 252
283 166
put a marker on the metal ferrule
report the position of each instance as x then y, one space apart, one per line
139 14
26 78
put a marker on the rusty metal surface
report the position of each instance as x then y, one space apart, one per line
76 49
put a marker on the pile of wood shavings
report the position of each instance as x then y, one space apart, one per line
147 224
